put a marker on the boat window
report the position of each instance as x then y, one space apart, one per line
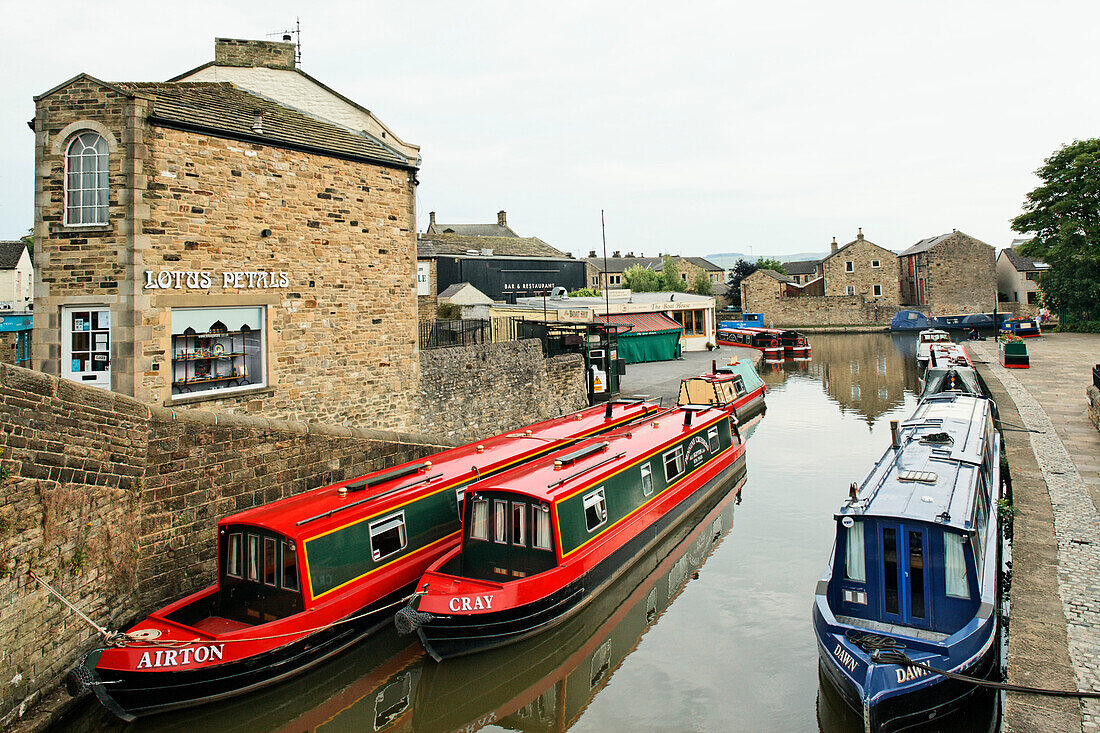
253 557
712 438
540 527
739 385
233 559
854 561
519 524
674 462
500 522
890 568
290 567
387 536
916 574
595 509
271 560
726 390
647 479
479 519
954 566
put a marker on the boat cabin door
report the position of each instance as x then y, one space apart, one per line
905 571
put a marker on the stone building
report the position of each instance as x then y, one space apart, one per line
241 238
948 274
863 268
16 277
803 271
612 277
492 258
1018 280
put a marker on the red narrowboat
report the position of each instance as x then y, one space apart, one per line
948 354
795 345
752 339
303 578
542 541
735 387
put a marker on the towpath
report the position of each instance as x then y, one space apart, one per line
1054 455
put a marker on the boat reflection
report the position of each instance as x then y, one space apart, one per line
545 683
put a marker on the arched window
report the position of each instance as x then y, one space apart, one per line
86 180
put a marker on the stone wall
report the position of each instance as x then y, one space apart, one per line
115 504
473 391
764 294
962 276
9 347
1093 396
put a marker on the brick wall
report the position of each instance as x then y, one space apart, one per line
115 504
474 391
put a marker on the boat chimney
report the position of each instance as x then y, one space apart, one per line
895 440
687 418
713 366
853 492
607 412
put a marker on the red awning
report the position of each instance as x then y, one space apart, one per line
642 323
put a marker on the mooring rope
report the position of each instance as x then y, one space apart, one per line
120 638
887 650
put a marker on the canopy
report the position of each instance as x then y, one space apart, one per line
653 336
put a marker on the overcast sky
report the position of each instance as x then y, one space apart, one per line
699 127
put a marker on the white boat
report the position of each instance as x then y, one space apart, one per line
925 340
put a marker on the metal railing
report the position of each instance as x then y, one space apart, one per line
440 334
1096 376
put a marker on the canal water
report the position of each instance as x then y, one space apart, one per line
711 632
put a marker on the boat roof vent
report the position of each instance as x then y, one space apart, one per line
924 477
579 454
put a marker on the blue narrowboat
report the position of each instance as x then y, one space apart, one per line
909 320
916 569
1022 327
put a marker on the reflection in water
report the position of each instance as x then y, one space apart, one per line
733 651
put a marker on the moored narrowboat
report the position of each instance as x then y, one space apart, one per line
303 578
916 569
735 387
795 345
925 340
1022 327
752 339
543 540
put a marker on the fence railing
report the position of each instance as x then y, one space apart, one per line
1096 376
440 334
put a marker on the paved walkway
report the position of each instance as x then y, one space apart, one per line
1050 400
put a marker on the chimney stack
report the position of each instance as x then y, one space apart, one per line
502 218
860 235
616 253
832 247
431 218
592 253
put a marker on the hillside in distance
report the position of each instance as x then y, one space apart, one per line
727 260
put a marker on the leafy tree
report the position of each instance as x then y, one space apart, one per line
641 279
739 272
767 263
1063 213
28 239
586 293
671 280
701 284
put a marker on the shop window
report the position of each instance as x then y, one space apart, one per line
595 509
86 185
387 536
218 350
693 322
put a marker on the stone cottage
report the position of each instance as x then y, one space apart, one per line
948 274
1018 280
241 238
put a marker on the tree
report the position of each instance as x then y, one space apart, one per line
739 272
671 281
701 284
767 263
1063 214
641 279
586 293
28 239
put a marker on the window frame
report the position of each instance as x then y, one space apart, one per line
374 529
851 290
500 521
105 208
677 455
288 550
876 263
519 530
713 440
647 478
271 562
539 510
595 499
474 521
252 558
238 556
876 291
849 266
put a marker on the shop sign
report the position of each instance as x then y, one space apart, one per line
201 280
538 287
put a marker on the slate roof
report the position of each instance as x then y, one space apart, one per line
622 264
801 267
433 245
472 230
925 244
1022 263
221 107
773 274
10 252
703 264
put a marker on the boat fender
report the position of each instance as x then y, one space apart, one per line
78 679
408 620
